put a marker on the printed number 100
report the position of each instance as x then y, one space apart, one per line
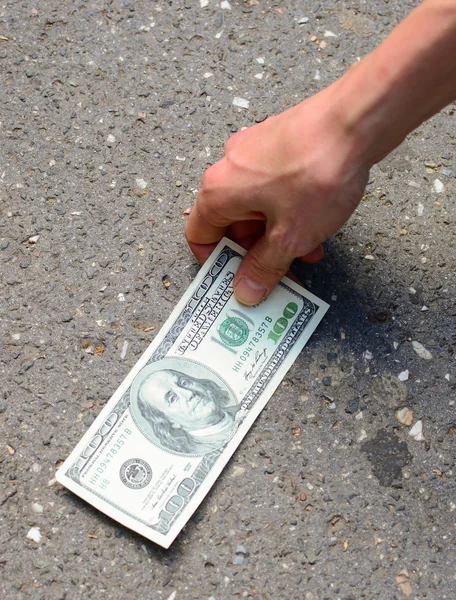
282 322
175 503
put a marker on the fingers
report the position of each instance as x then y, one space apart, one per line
203 233
244 233
217 207
262 268
205 226
202 251
315 256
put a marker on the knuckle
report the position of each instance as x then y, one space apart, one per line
325 186
329 181
211 179
286 240
232 142
323 181
229 145
210 210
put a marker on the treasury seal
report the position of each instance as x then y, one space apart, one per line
234 331
135 473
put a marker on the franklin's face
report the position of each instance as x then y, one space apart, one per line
184 400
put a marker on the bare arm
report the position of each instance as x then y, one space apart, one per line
406 80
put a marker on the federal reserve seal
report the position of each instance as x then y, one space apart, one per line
234 331
135 473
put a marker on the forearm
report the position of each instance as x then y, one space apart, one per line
407 79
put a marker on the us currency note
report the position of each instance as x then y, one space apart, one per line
164 437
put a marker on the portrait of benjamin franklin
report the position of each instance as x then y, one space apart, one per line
182 408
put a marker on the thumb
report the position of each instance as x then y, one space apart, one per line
260 271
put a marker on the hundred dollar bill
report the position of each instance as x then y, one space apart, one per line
163 438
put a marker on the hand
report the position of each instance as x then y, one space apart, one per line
288 184
283 187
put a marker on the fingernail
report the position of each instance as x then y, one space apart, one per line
249 292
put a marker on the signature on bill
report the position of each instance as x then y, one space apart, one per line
251 371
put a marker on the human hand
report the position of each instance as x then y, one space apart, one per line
288 184
283 187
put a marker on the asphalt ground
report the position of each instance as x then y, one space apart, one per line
110 112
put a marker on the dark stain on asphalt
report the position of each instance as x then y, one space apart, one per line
387 454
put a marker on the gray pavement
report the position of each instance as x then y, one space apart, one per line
110 112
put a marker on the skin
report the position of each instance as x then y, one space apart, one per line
182 399
286 185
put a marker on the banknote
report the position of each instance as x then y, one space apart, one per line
164 437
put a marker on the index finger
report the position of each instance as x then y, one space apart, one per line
202 234
219 205
206 226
